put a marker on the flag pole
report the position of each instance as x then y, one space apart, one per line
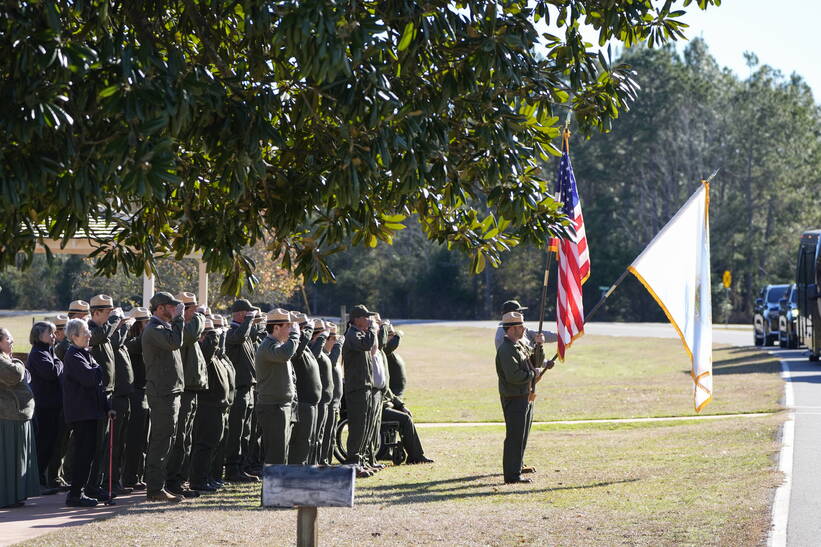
543 298
597 306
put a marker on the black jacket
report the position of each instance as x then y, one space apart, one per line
84 395
46 371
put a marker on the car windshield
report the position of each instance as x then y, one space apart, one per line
793 296
776 293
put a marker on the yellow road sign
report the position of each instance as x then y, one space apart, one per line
727 279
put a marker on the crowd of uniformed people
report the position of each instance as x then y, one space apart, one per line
177 400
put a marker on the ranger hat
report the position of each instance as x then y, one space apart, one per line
332 328
319 326
218 320
162 298
60 321
209 325
261 318
78 306
512 305
187 298
512 319
139 313
361 311
102 302
299 317
243 304
278 316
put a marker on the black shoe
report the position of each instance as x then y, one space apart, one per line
184 492
518 480
82 501
203 488
122 490
215 485
423 459
99 495
242 477
48 491
137 486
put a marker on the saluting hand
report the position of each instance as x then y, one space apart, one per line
539 339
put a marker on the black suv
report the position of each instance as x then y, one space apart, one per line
788 319
765 316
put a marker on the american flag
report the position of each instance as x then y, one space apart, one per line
572 257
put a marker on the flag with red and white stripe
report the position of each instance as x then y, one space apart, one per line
572 258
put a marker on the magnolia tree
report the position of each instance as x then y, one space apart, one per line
210 126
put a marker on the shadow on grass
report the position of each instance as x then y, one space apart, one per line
460 492
756 363
470 487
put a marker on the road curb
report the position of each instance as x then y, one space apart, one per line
777 536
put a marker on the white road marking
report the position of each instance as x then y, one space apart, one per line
781 502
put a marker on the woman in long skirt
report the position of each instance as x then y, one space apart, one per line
18 455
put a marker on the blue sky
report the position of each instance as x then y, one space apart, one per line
784 34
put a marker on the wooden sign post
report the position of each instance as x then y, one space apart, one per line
308 487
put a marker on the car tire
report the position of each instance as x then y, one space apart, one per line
770 340
758 341
813 358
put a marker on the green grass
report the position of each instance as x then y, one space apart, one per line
693 482
20 328
452 377
686 483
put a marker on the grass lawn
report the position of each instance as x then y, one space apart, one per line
20 328
688 482
452 378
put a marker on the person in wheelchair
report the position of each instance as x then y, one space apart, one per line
394 409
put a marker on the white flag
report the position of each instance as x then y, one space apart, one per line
675 268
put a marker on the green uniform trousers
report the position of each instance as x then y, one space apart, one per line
136 439
303 434
275 422
359 414
321 419
374 438
218 466
121 404
239 430
326 453
180 455
518 413
165 411
209 425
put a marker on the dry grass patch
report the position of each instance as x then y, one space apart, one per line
689 483
452 377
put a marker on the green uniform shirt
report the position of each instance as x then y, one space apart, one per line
308 381
239 346
357 360
325 368
101 350
60 348
161 344
194 366
275 384
515 366
219 386
124 371
396 367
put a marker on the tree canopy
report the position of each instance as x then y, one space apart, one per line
312 125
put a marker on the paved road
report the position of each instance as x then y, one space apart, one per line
735 335
803 526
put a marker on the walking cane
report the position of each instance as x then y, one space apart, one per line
110 500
